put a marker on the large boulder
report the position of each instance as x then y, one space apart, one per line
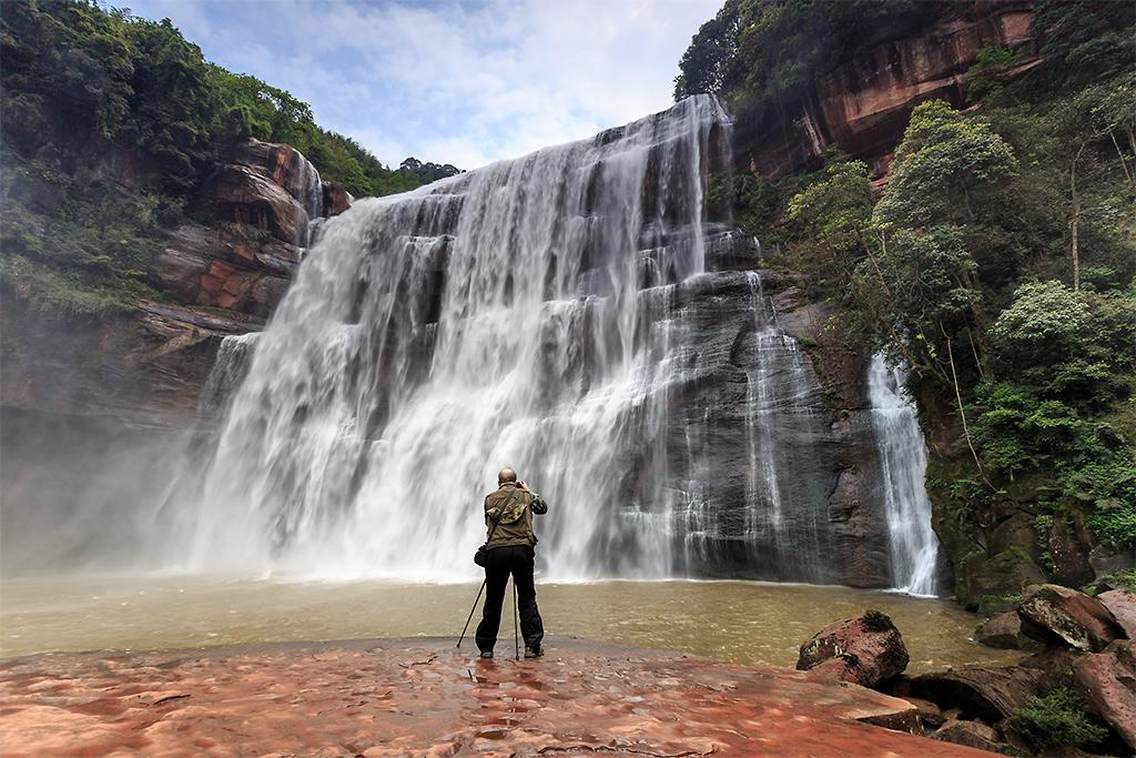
1109 679
973 734
999 575
1122 605
1004 630
287 167
988 694
336 199
1053 614
866 650
241 194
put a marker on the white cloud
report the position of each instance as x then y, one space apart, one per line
453 82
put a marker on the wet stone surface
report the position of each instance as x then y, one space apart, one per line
423 697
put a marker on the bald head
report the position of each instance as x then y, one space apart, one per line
506 475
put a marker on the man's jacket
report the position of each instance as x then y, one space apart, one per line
516 507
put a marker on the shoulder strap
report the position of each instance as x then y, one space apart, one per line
500 512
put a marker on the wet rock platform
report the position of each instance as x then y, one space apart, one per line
423 697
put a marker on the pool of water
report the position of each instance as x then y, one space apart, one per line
742 622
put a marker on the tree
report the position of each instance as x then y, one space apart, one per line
830 219
948 168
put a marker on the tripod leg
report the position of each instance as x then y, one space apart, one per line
471 610
516 622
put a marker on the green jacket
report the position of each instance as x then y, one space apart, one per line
517 507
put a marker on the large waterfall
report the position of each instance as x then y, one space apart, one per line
903 461
572 314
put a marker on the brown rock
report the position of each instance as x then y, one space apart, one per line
354 698
1004 573
863 104
988 694
336 199
1069 546
1054 614
287 167
1109 679
867 650
974 734
1122 605
225 268
1004 630
930 715
241 194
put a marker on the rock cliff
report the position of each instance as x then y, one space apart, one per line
862 105
222 274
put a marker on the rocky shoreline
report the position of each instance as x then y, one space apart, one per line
423 697
1074 695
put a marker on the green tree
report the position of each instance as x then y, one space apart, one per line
948 168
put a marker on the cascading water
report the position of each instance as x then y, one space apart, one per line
571 314
903 464
501 317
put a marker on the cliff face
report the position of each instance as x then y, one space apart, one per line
221 277
863 105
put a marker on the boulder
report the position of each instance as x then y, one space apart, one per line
974 734
1122 605
336 199
241 194
866 650
999 575
1004 630
1069 546
1054 614
287 167
988 694
1109 679
930 715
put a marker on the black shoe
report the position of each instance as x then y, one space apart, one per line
487 653
534 652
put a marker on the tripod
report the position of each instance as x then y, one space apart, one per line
516 619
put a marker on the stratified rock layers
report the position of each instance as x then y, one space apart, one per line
423 697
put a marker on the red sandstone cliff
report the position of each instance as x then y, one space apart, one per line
862 106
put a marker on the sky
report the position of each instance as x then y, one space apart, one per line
451 81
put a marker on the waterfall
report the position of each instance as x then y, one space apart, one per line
903 464
522 314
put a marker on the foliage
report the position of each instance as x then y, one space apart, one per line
948 168
1058 719
765 54
1083 40
1046 321
990 64
835 210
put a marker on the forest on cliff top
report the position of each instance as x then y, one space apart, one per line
111 124
996 263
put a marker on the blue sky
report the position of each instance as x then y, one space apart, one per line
453 82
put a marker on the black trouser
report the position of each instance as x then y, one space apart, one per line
518 561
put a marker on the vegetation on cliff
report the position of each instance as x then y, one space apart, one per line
997 262
110 125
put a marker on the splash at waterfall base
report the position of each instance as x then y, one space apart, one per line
422 697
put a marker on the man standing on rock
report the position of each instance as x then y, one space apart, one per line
511 549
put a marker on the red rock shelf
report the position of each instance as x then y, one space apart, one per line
423 697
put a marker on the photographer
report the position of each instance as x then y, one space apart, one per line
510 550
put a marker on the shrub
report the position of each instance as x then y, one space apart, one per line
1058 719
